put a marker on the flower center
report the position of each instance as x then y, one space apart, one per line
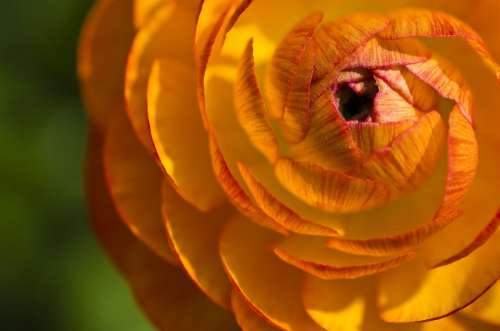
356 100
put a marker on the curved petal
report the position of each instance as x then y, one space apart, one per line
269 285
486 308
178 134
134 182
144 10
195 239
248 319
408 294
104 43
165 294
173 24
311 255
371 136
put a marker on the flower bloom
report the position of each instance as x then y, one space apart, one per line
314 165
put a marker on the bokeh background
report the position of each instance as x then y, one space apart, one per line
53 275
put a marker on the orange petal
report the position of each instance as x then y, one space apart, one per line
379 53
285 64
195 239
411 157
425 23
328 142
250 107
102 56
236 194
408 294
134 183
166 295
462 163
269 285
311 255
330 190
144 10
248 319
486 308
178 134
173 24
279 212
390 106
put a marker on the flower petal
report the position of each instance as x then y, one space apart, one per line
486 308
408 294
102 57
247 318
371 136
311 255
195 239
173 24
178 134
165 294
134 182
330 190
390 106
278 211
269 285
250 108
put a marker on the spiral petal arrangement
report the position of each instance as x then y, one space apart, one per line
306 171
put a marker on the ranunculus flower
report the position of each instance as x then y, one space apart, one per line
308 165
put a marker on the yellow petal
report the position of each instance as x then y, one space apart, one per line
250 107
486 308
179 136
173 24
269 285
330 190
134 182
102 56
425 23
311 255
195 239
408 294
247 318
166 295
279 212
144 10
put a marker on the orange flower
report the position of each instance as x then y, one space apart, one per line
310 165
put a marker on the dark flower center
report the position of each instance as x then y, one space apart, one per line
357 105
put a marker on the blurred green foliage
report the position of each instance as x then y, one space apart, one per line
53 274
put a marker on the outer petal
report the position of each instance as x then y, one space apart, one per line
195 239
165 294
247 318
134 183
486 308
408 294
269 285
102 56
178 134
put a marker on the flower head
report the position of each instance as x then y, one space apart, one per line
313 166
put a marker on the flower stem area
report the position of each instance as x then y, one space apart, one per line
53 276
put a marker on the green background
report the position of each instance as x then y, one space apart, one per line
53 275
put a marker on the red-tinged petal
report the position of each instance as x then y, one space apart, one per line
411 157
352 76
173 24
486 308
178 134
134 182
237 195
411 88
278 211
328 142
248 319
424 23
250 108
311 255
371 136
195 239
462 163
337 41
379 53
408 294
330 190
166 295
390 106
286 62
269 285
102 56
